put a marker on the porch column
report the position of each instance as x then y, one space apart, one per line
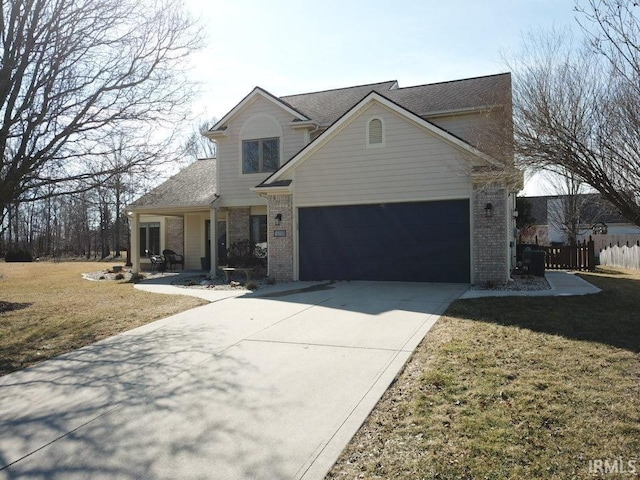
213 235
490 236
280 237
135 242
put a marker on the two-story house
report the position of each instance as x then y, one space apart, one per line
372 182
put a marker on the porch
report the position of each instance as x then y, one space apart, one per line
187 233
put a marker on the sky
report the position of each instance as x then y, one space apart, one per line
293 46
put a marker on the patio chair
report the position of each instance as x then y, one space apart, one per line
173 258
158 262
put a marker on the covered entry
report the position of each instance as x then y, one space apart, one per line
416 242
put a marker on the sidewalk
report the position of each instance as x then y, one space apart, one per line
562 284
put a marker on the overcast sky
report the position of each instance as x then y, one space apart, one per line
294 46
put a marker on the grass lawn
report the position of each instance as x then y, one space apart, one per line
54 310
514 388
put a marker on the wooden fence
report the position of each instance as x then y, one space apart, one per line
579 257
625 256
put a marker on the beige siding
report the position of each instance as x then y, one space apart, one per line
234 187
194 240
485 130
468 127
413 165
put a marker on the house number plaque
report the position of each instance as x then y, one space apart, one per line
279 233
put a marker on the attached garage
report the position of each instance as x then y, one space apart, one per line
415 242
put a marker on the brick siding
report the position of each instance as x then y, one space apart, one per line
490 244
175 235
280 252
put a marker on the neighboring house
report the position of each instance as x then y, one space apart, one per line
373 182
592 217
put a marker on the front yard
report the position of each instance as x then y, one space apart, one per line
500 388
47 309
514 388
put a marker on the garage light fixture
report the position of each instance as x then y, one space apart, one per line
488 210
278 218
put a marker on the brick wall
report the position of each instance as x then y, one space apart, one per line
280 248
238 224
175 235
490 240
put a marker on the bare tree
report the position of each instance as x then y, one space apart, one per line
197 145
576 105
75 74
565 212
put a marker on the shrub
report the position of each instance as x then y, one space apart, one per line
18 256
242 253
489 285
251 285
119 276
136 277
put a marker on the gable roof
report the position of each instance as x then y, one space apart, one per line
377 97
327 106
194 186
258 91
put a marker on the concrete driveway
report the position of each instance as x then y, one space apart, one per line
247 387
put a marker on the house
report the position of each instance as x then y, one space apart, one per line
556 218
371 182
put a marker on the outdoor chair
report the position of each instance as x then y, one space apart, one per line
173 258
158 262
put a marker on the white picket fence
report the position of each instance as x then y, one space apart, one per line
623 257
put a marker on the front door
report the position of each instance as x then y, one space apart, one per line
222 242
207 245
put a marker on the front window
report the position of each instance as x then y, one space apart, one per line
260 155
149 238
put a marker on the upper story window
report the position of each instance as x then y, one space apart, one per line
262 155
375 132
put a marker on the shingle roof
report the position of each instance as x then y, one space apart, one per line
194 186
327 106
454 95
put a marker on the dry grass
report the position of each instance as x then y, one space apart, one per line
513 388
47 309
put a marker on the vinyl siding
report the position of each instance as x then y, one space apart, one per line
485 130
413 165
469 127
234 187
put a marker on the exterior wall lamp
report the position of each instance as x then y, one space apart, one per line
278 218
488 210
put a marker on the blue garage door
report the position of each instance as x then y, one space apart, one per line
415 242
